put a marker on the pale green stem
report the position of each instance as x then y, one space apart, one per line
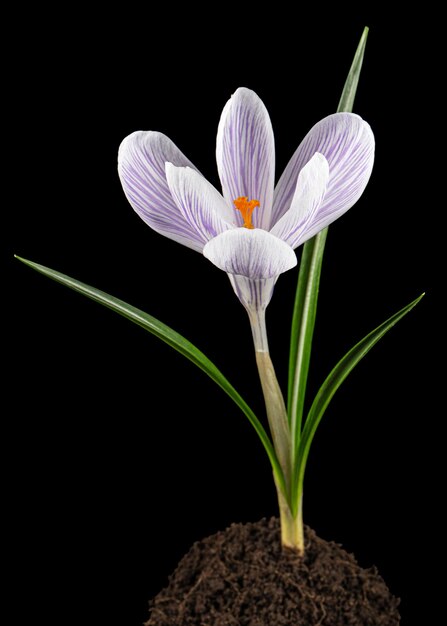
276 412
291 527
258 329
274 401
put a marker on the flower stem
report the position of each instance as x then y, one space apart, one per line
276 412
274 401
291 526
292 530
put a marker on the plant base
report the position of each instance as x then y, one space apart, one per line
241 577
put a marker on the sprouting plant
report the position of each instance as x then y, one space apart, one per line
250 231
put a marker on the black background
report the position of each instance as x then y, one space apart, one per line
119 454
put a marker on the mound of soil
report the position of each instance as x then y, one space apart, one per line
241 577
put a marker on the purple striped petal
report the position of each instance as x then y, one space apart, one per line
255 294
347 142
252 253
200 204
309 192
141 166
245 154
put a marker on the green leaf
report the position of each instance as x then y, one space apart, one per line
176 341
350 88
303 322
305 308
333 382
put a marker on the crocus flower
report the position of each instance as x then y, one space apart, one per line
252 228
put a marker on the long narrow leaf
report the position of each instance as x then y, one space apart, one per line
303 322
173 339
350 87
333 382
305 309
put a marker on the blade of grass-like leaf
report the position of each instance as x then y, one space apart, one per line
305 308
176 341
346 103
330 386
303 322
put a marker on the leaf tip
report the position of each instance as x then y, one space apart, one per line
363 40
21 259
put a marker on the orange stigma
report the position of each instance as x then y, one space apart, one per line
246 207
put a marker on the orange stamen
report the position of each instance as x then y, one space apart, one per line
246 207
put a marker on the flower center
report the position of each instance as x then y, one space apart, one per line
246 207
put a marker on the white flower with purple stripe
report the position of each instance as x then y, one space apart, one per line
252 228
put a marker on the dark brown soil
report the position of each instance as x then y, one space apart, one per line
241 577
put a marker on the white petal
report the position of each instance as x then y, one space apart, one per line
347 142
245 154
254 293
200 204
252 253
309 193
141 166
